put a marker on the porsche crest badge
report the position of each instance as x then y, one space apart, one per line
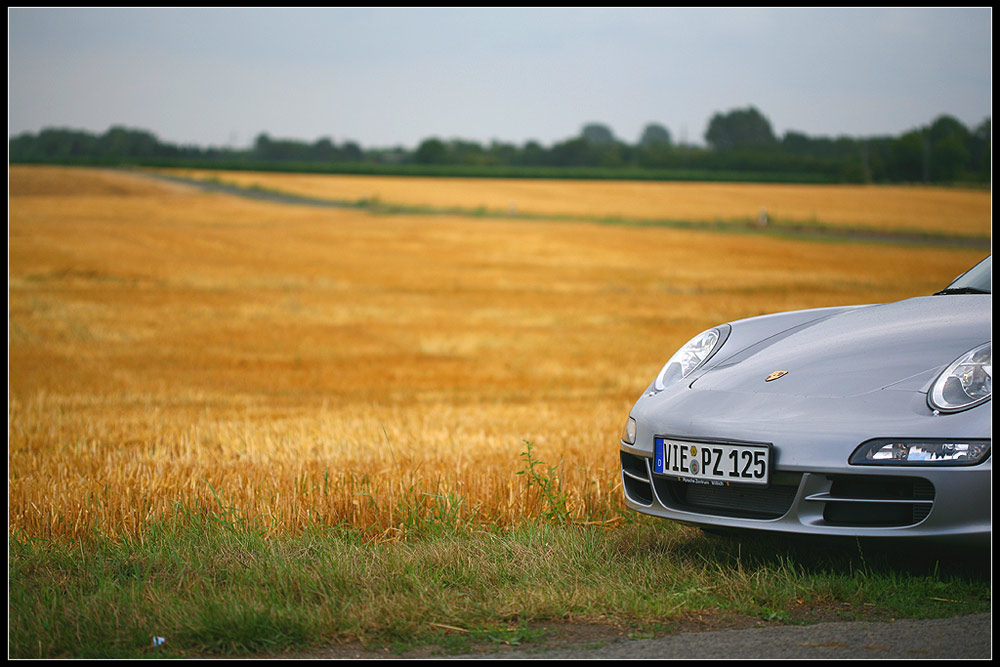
775 375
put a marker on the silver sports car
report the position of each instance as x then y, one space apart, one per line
863 421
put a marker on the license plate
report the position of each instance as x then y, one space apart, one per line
712 462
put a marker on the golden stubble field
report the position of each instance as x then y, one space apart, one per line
170 349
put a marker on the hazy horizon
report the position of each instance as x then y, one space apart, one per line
393 77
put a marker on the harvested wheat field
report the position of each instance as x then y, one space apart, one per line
171 350
936 210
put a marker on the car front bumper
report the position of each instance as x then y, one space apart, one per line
876 503
812 489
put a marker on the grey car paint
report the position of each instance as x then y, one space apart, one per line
853 374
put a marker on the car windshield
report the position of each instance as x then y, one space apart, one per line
977 280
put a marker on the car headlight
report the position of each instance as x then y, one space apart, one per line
968 381
890 452
692 354
628 433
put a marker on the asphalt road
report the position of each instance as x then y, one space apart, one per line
959 637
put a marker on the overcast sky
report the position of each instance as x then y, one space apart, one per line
385 77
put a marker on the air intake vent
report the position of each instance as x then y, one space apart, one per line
635 479
866 501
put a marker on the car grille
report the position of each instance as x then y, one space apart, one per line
863 500
733 501
746 502
851 500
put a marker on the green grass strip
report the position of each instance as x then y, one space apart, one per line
210 586
459 170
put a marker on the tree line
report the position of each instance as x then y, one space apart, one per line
738 141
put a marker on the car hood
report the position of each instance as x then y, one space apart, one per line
896 345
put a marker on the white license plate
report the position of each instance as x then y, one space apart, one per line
712 462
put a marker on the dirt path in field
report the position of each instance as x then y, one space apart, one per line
961 637
947 638
816 233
